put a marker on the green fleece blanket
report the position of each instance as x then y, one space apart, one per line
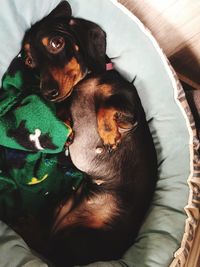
35 173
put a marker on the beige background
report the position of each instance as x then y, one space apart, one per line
176 26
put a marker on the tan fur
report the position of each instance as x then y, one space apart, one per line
45 41
105 90
67 77
27 47
107 126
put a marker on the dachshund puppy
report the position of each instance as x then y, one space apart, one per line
112 143
101 219
62 50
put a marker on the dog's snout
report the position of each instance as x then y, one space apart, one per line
49 89
51 94
54 92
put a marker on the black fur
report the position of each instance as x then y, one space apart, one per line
87 36
106 114
128 173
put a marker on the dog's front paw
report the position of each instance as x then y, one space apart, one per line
108 128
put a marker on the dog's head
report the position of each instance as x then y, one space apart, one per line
62 49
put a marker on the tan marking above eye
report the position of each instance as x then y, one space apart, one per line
27 46
45 41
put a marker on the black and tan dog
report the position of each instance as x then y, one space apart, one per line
112 144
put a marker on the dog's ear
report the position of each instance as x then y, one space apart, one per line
92 41
62 10
97 49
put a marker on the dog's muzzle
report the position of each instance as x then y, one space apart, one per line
49 89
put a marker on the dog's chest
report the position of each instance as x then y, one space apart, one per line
84 148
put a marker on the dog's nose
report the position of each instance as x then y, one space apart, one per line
51 94
49 87
54 93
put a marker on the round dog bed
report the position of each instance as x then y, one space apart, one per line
167 235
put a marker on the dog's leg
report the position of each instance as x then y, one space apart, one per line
115 117
95 211
107 126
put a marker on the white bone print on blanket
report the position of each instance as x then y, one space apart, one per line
35 138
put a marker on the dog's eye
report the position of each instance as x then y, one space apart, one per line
56 44
29 62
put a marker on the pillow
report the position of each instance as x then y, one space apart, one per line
15 251
135 54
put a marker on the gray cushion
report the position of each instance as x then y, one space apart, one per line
135 53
